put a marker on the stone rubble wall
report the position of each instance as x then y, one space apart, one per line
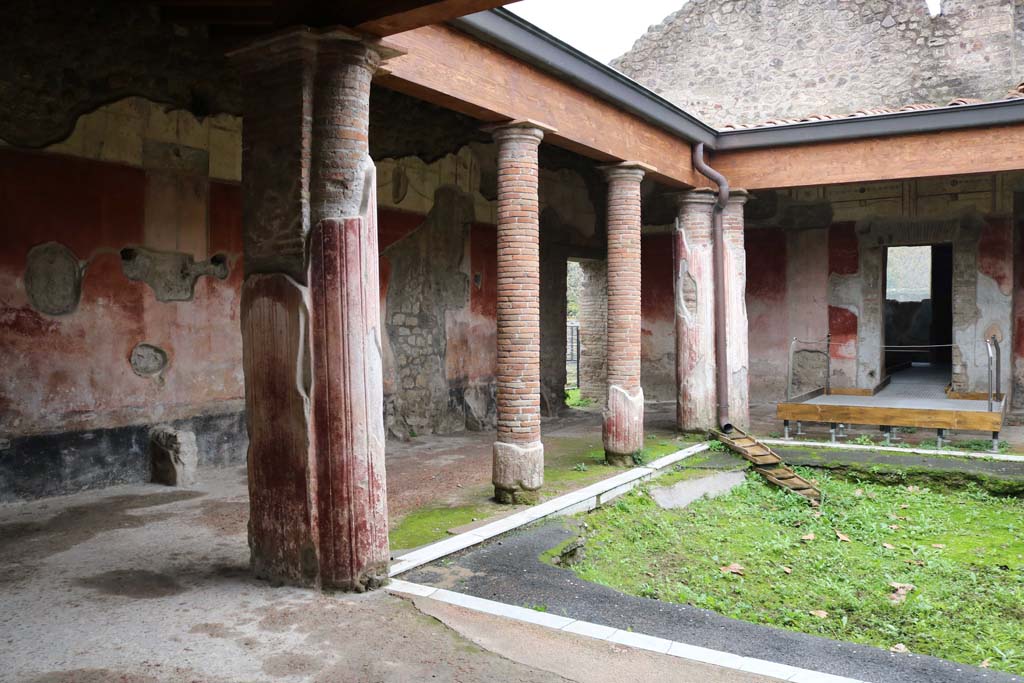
749 61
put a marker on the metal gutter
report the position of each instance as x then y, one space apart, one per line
518 37
986 114
522 39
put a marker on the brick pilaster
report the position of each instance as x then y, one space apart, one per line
695 311
518 470
624 414
310 314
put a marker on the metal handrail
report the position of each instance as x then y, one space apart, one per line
991 357
999 365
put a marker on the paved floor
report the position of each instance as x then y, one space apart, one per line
145 584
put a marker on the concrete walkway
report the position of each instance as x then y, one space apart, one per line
145 584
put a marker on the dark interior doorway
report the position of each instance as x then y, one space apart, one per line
919 309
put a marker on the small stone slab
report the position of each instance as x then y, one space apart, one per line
174 456
682 493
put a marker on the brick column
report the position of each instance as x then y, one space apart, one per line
695 311
310 314
518 470
624 413
736 328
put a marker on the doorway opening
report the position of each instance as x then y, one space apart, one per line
586 328
919 315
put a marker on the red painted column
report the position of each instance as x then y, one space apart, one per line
736 325
695 311
624 415
518 466
310 314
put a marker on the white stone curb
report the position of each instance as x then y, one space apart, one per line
917 451
583 500
609 634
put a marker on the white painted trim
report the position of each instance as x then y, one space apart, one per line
583 500
917 451
641 641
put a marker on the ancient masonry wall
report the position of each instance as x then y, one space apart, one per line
593 318
860 54
829 244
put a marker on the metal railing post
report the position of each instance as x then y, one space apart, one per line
999 364
828 363
789 371
988 347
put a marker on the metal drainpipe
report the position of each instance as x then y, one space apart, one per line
722 362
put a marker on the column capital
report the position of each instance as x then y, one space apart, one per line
696 196
519 129
627 170
738 197
302 41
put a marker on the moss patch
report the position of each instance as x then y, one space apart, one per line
432 524
840 463
573 462
963 553
570 463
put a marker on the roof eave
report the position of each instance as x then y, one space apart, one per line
985 114
522 39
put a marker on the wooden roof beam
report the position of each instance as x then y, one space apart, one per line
451 69
940 153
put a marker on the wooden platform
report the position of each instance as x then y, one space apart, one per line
917 395
888 409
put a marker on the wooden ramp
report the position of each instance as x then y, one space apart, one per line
769 465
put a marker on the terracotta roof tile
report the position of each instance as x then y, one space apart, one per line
1016 94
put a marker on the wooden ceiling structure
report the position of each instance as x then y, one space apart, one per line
242 19
451 68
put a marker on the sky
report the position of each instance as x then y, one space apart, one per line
611 26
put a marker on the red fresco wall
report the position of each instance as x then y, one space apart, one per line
995 248
657 326
657 297
767 319
472 352
71 372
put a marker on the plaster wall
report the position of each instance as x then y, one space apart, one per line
834 277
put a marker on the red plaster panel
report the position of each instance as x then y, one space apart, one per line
843 256
842 323
471 356
81 204
394 225
72 372
225 218
483 246
656 284
995 252
766 264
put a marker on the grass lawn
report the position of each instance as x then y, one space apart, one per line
792 567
